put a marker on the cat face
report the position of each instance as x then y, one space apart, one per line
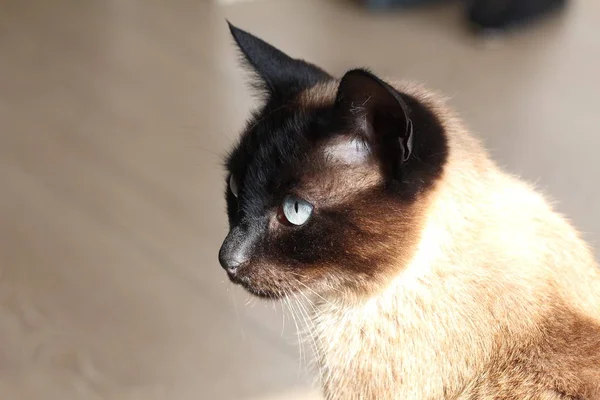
326 187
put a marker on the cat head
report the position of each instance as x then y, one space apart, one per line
327 186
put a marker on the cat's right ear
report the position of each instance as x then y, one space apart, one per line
278 74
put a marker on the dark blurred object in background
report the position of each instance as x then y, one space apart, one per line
383 4
498 15
489 15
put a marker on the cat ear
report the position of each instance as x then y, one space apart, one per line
372 110
279 74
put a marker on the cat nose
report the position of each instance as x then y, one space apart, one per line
230 262
233 254
235 250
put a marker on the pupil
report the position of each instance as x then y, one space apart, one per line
296 206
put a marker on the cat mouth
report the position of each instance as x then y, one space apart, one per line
245 282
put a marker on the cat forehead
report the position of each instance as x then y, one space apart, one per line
295 144
286 129
274 136
326 172
287 126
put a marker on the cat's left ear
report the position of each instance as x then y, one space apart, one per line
279 74
371 109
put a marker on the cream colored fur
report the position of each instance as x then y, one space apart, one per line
492 260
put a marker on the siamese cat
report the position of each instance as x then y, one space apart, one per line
436 275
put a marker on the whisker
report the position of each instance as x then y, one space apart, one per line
237 314
282 321
310 324
316 294
288 303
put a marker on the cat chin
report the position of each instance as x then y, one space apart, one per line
264 294
258 292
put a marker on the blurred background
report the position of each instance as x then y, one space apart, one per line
114 117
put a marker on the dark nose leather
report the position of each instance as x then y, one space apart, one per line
235 250
230 261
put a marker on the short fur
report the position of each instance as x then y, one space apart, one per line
436 274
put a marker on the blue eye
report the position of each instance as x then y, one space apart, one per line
233 186
296 210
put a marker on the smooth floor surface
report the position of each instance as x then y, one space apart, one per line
114 117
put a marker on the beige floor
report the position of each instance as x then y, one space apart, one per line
113 119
